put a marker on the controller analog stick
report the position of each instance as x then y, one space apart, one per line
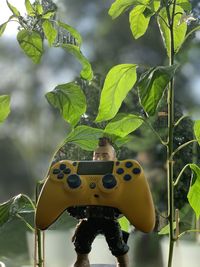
109 181
73 181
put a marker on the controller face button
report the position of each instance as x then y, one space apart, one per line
60 175
73 181
136 171
67 171
56 171
129 164
109 181
92 185
62 167
120 171
127 177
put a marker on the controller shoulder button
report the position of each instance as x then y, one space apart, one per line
136 171
120 171
127 177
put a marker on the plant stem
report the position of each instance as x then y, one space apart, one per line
170 16
39 247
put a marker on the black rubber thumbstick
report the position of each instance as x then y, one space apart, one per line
73 181
109 181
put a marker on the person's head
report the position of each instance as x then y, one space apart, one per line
104 151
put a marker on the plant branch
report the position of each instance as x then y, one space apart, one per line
26 223
189 231
182 146
180 174
179 120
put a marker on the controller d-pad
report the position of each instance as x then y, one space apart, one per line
60 175
120 171
73 181
62 166
56 171
136 171
127 177
129 164
109 181
67 171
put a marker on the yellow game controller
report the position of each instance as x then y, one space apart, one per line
118 184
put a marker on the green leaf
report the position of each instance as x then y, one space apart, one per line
138 21
194 192
4 107
185 4
152 85
48 14
49 31
84 136
197 130
39 9
119 6
3 27
166 230
16 205
72 31
123 124
86 72
31 43
29 8
179 29
13 9
70 100
119 81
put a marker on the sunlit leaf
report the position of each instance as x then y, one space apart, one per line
86 72
19 204
70 100
72 31
123 124
197 130
138 21
29 8
3 27
13 9
152 85
39 9
119 81
194 192
166 230
48 15
4 107
185 4
31 43
49 31
179 29
86 137
119 6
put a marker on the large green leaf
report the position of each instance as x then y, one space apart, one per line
4 107
152 85
13 9
49 31
86 72
123 124
119 6
31 43
185 4
194 192
119 81
17 205
197 130
138 21
72 31
84 136
70 100
179 29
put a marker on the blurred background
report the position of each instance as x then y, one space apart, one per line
33 130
